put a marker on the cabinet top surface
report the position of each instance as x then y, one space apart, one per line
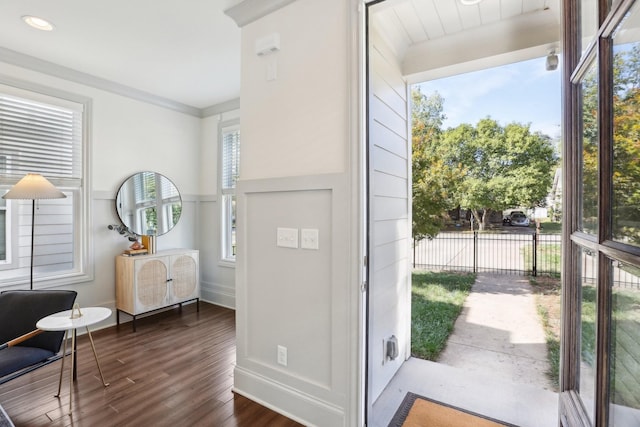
160 253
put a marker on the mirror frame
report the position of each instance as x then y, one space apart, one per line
163 222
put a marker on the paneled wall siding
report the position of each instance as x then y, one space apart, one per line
389 216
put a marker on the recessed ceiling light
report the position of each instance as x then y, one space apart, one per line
469 2
38 23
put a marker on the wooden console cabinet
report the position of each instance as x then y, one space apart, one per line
146 283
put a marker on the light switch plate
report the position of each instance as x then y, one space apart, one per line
287 237
309 238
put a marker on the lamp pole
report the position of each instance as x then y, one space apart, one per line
33 226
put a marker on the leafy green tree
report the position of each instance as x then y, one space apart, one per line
590 151
626 144
498 167
431 178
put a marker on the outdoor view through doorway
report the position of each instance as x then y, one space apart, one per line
486 228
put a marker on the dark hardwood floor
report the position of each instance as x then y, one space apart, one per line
176 370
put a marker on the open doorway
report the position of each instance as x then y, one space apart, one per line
390 183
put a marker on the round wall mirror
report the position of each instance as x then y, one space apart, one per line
148 203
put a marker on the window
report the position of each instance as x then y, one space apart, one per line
42 133
229 173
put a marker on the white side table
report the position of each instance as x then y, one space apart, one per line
71 320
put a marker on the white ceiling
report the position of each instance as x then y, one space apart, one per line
188 51
435 38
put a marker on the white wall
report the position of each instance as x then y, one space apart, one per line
296 173
128 136
296 124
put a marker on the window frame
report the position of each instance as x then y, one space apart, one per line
227 197
11 244
83 269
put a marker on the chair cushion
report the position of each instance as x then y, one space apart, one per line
13 359
20 311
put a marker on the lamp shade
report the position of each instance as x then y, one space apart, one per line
34 186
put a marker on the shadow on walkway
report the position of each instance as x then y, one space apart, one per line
499 331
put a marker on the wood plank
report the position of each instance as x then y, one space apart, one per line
177 369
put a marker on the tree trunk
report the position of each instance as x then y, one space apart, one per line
486 214
475 216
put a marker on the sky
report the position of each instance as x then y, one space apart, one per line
524 92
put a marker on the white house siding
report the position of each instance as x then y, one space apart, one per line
389 216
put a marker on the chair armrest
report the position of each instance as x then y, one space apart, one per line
20 339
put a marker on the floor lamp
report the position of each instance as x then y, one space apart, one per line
33 187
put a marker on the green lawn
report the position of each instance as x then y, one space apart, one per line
549 227
625 373
436 302
548 258
547 291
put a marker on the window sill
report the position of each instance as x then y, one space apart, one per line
227 263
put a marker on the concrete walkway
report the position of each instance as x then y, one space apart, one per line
499 332
496 360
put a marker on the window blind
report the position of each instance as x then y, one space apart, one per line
145 187
40 137
230 159
168 190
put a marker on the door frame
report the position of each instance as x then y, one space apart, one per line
577 59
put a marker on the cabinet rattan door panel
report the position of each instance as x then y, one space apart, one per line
184 277
151 283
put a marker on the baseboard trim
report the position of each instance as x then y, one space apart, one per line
218 295
289 402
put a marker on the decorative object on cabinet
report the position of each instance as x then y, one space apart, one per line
148 203
147 283
123 231
33 187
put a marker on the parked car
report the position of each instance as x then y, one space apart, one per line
506 220
519 219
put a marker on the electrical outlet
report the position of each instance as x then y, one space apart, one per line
282 355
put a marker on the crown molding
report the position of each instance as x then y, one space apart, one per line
223 107
52 69
249 11
35 64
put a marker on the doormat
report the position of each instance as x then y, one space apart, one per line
419 411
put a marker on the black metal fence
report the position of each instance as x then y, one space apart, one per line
509 253
524 254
